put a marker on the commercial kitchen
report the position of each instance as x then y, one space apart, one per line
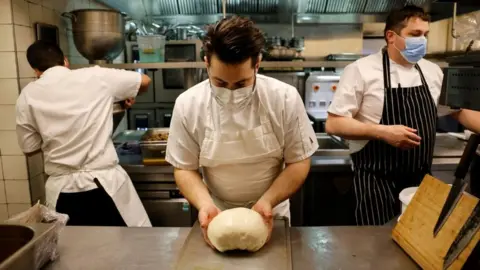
308 45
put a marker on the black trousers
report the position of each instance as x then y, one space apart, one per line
475 177
89 208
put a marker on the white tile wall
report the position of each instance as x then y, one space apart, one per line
24 69
8 143
3 197
8 91
48 3
60 5
60 22
24 82
5 11
8 117
1 168
14 167
35 13
8 68
20 12
38 2
48 16
6 42
18 191
3 212
23 37
17 208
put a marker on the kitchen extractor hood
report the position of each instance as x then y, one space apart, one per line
281 11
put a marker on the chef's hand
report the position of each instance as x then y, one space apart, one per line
129 103
205 216
264 208
400 136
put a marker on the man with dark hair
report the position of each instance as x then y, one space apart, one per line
67 114
386 105
241 128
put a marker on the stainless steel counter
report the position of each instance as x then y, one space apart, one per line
157 248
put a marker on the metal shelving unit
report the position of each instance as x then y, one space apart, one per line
264 64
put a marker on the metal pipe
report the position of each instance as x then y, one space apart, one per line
454 32
293 25
224 8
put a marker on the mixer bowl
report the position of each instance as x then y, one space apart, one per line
99 35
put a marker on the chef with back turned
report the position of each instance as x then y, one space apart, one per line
67 114
249 133
386 105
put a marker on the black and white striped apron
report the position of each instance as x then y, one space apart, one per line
381 171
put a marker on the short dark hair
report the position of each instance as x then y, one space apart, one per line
397 19
234 40
43 55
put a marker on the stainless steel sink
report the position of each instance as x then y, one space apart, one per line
330 146
17 245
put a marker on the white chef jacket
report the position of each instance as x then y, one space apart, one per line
283 104
360 92
289 133
68 115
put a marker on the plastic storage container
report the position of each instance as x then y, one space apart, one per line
151 49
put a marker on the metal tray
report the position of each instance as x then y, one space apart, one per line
151 132
153 145
276 254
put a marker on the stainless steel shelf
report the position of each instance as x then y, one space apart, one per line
264 64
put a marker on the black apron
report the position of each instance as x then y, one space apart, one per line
381 171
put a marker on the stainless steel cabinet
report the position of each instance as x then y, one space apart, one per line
170 212
328 199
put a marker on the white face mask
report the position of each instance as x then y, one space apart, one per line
225 96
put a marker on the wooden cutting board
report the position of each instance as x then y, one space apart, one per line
414 231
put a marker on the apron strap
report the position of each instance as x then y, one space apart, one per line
386 71
424 81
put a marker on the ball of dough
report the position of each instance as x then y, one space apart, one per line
238 229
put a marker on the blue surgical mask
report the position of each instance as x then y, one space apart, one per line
415 49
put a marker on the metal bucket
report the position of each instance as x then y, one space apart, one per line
98 34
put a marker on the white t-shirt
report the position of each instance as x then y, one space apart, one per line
360 92
282 102
68 115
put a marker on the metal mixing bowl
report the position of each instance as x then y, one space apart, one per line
98 34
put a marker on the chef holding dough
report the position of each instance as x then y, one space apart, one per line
249 133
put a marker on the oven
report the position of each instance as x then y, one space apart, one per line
168 84
163 117
141 119
143 116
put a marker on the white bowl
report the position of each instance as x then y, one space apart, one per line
406 196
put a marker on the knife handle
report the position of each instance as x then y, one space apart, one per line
467 156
